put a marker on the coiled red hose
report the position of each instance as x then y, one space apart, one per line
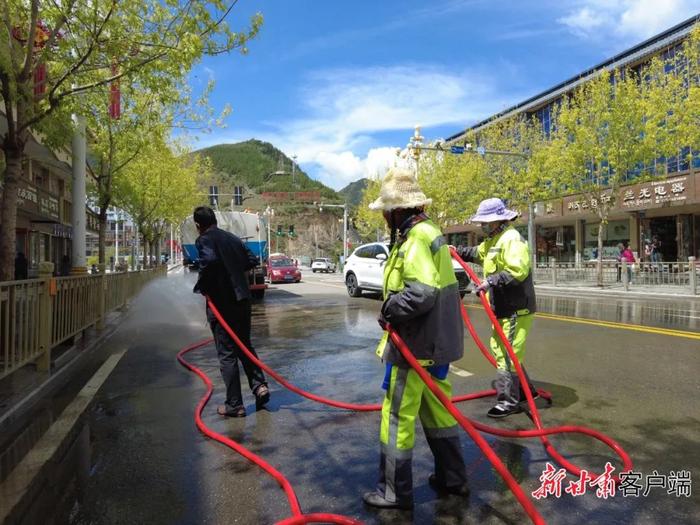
540 432
298 517
469 426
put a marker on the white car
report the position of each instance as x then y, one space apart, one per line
322 265
365 270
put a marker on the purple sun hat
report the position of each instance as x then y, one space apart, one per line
493 210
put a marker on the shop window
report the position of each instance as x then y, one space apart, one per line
614 233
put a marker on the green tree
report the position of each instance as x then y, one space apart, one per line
157 189
611 126
84 46
369 223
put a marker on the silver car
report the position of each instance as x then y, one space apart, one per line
322 264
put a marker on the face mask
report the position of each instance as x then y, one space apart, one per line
489 228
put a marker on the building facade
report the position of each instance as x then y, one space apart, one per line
666 208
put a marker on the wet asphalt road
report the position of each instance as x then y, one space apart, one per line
151 465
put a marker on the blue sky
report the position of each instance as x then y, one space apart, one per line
341 84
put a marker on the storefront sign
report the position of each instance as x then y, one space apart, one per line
674 191
27 197
291 196
36 201
579 204
548 209
656 193
48 206
62 230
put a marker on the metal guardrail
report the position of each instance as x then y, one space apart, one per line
38 314
682 275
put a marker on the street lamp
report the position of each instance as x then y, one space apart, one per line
415 145
269 213
345 225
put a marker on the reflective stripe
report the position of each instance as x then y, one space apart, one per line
437 243
441 432
398 453
390 463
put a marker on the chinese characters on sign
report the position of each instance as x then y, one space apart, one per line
656 192
583 205
631 483
291 196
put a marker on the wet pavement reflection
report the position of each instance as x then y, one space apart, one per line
150 465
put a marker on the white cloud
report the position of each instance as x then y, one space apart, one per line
344 111
339 169
628 21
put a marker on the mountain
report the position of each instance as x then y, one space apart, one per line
352 193
261 167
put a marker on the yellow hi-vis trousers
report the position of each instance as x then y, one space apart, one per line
406 398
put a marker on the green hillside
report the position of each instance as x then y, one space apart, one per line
353 192
257 165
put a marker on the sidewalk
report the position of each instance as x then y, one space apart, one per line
617 290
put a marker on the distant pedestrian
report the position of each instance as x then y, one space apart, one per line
626 255
223 265
21 266
655 250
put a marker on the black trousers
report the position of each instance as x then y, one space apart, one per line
237 316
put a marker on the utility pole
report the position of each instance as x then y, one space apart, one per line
78 211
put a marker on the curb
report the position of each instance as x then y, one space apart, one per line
588 292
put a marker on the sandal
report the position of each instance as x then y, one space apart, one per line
262 396
223 411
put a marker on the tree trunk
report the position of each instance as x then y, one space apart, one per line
8 220
600 253
146 256
102 234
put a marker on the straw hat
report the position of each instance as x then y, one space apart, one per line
399 190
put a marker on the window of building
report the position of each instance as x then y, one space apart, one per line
615 233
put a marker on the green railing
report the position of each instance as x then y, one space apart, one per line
38 314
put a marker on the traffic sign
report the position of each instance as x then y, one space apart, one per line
481 150
457 150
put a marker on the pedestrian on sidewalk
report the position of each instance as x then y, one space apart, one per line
505 256
627 256
224 262
422 303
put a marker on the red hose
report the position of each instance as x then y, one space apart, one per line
540 432
298 517
469 426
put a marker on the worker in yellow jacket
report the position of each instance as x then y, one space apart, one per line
505 256
422 303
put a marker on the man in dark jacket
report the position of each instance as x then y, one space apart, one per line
223 265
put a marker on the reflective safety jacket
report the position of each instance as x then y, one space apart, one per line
421 296
506 261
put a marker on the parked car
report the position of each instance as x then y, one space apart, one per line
322 265
283 270
365 270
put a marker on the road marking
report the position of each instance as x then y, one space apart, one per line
458 371
613 324
326 284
